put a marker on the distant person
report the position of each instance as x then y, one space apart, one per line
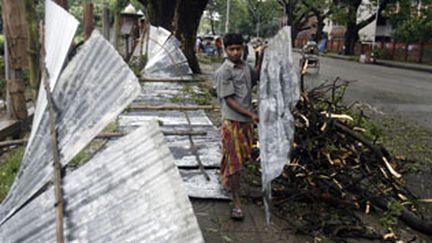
234 80
218 45
245 50
198 45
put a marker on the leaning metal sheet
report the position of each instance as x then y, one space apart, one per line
93 89
130 192
278 94
165 58
60 28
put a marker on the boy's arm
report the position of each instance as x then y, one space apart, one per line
233 104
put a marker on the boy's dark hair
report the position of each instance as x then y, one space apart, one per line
233 39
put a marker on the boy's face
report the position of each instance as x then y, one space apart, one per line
234 52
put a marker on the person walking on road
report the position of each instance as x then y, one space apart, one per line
234 81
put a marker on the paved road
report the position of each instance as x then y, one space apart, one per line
395 91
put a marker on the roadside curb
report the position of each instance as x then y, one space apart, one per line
416 67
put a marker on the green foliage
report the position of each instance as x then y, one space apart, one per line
206 59
8 170
244 16
413 23
390 217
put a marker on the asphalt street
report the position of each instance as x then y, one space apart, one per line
399 92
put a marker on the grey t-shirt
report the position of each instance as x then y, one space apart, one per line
235 80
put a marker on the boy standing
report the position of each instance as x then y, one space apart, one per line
234 81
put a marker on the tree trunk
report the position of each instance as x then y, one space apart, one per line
161 12
33 47
63 3
117 10
351 34
185 25
351 37
88 19
16 90
16 56
320 27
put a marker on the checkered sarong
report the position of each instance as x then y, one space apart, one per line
236 146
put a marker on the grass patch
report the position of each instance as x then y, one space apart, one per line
8 170
203 58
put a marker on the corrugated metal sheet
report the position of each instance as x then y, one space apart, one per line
208 146
92 90
130 192
198 187
278 94
60 28
165 59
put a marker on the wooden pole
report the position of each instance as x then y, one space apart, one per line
117 10
108 135
88 19
57 166
59 206
105 21
174 107
171 81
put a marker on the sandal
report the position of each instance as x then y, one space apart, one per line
237 214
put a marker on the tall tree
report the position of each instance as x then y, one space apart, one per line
185 25
161 12
16 33
63 3
298 16
321 9
183 22
262 15
33 47
353 25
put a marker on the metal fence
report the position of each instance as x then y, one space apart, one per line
397 51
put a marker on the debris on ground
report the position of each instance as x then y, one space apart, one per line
336 161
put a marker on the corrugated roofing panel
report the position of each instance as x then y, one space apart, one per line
278 94
93 89
59 30
198 187
168 118
165 59
130 192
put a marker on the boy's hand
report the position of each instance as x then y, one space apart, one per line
254 118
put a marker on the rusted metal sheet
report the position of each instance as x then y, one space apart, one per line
90 93
278 94
15 28
130 192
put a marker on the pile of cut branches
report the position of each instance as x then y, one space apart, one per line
336 161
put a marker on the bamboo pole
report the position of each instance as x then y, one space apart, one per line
59 205
171 80
88 19
174 107
195 149
57 166
108 135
